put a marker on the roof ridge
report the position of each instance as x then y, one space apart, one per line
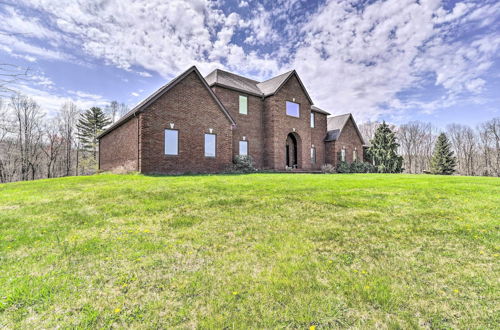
235 74
281 74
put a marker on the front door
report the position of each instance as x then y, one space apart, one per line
291 151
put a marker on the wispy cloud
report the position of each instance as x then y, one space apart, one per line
354 56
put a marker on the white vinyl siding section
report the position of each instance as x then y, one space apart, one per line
210 142
171 142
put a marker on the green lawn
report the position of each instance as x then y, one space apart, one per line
259 251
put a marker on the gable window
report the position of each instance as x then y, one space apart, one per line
210 140
355 155
342 155
171 142
312 119
313 155
243 148
292 109
243 105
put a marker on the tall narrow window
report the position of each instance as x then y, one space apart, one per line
210 141
243 105
171 142
243 148
313 155
355 155
342 155
292 109
312 119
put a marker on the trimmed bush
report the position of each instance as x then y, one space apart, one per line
362 167
328 169
242 164
343 167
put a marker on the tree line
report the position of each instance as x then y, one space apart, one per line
34 145
472 151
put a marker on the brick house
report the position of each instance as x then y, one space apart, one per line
198 124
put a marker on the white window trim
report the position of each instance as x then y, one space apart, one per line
165 142
239 105
286 112
313 120
205 145
239 147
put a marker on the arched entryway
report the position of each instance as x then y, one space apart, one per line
292 151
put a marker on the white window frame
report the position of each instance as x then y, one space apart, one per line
355 155
298 109
165 144
245 112
312 119
313 155
342 155
239 147
215 146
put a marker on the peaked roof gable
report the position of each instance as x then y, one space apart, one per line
162 90
336 124
265 88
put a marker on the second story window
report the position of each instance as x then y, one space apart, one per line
312 119
243 105
210 142
292 109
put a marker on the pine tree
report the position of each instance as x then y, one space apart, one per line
383 150
443 161
90 125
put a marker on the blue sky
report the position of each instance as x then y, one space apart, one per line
397 60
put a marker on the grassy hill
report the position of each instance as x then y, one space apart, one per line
260 251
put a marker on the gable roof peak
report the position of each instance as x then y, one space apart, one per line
162 90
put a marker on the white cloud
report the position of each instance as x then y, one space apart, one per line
360 61
352 57
144 74
134 94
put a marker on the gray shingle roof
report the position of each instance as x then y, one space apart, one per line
270 86
336 124
232 80
139 107
316 109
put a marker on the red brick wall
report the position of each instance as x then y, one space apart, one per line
192 110
249 126
350 140
119 148
318 134
330 156
277 126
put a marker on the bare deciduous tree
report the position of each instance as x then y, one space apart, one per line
67 119
28 120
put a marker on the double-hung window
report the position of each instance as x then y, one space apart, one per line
243 148
243 105
292 109
342 155
210 143
312 119
171 142
313 155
